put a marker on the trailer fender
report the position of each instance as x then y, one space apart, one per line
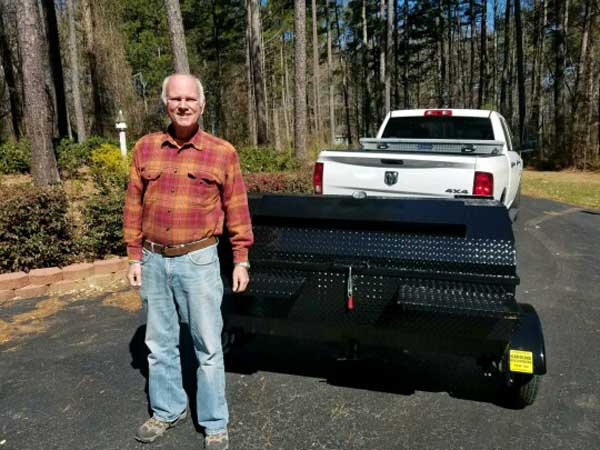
528 337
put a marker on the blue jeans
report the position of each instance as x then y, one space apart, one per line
186 288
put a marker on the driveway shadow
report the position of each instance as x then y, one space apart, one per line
376 369
382 370
189 364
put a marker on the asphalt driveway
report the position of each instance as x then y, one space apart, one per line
73 372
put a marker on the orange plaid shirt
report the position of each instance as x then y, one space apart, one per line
180 194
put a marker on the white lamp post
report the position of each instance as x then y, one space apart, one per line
122 126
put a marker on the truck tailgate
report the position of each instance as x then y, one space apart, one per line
397 175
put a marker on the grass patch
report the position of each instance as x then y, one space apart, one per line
572 187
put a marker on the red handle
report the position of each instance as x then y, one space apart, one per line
350 303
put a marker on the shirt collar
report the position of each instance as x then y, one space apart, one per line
195 141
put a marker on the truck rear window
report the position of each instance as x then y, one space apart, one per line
432 127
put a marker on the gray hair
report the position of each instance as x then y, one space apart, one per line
163 94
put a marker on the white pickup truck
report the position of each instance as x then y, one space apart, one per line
429 153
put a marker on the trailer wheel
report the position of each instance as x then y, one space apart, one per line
522 391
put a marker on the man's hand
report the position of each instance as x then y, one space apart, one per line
240 279
134 275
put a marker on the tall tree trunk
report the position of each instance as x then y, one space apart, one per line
251 102
219 119
345 83
461 79
561 17
177 36
347 91
284 92
483 57
257 72
366 72
346 87
534 60
110 74
332 128
58 82
511 80
450 72
406 57
590 110
505 59
598 124
37 103
396 80
276 129
300 79
389 56
583 52
495 85
419 79
10 77
263 64
382 57
441 80
520 72
75 69
316 85
357 105
90 50
578 127
540 90
472 55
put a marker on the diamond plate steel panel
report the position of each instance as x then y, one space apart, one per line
385 249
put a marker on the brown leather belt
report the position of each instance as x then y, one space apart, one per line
180 249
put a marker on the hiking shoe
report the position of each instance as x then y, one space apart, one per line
153 428
216 441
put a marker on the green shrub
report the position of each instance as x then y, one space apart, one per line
284 182
34 228
15 157
71 156
108 168
266 160
103 222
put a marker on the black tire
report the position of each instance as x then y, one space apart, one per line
522 391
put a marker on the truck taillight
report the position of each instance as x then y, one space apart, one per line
483 184
438 112
318 178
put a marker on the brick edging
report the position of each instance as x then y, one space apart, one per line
55 280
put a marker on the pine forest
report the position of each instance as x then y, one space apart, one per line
301 75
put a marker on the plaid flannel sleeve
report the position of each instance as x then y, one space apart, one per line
132 212
237 215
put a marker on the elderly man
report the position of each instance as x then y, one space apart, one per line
185 186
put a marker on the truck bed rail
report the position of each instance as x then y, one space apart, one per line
441 146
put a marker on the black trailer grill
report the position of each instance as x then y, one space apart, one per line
443 268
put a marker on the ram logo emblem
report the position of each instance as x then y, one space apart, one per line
391 178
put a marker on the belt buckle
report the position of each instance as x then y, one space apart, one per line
160 249
166 248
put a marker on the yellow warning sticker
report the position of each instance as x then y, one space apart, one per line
521 361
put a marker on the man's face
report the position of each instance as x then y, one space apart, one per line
183 105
